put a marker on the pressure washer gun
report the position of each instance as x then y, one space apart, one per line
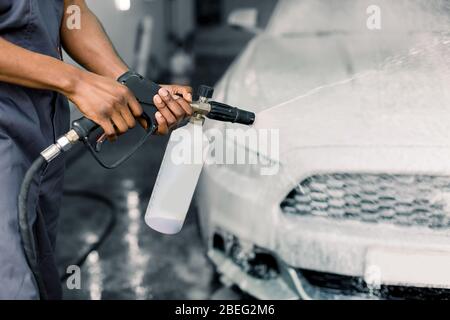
144 90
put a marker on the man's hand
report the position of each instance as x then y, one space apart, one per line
107 103
114 107
173 103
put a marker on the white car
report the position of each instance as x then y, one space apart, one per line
360 206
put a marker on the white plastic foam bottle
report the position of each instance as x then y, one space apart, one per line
177 178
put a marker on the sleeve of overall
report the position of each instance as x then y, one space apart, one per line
14 15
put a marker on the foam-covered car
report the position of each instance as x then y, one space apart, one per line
360 205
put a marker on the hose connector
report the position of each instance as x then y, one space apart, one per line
63 144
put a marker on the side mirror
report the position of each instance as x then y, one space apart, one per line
245 19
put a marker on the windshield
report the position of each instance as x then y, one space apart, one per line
298 17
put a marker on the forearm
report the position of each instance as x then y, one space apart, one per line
34 70
90 46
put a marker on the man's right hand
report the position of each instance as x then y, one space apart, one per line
107 103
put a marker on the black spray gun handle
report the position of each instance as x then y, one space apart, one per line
143 89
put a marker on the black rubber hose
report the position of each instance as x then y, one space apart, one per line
26 230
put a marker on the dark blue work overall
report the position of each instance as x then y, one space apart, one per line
30 120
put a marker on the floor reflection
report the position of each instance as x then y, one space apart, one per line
94 268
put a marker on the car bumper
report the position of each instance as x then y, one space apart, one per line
321 244
371 255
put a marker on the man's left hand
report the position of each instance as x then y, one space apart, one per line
173 103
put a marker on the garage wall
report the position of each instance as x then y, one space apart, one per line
122 25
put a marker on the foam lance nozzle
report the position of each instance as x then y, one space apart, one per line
223 112
220 111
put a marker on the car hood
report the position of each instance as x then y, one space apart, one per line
332 94
412 109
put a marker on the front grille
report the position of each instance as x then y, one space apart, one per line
376 198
